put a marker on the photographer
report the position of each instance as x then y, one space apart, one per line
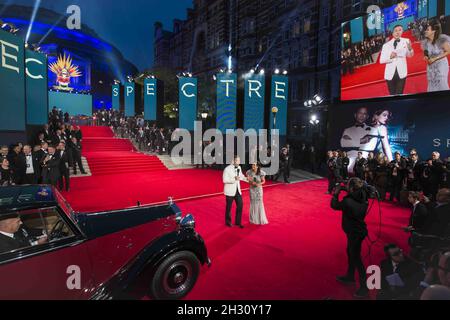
354 208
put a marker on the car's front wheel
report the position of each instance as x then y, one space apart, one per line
175 276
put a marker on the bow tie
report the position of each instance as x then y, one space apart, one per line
359 125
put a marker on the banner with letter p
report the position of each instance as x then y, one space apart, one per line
130 99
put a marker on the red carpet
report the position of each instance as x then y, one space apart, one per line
296 256
368 81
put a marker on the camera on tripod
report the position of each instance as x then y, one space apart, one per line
371 191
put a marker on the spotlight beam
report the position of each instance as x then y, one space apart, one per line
37 3
51 30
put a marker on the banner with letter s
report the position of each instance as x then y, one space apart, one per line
116 97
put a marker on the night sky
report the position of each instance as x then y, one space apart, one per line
127 24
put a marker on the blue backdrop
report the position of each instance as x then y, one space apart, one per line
12 83
74 104
188 97
226 101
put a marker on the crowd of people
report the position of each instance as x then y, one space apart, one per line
147 136
424 186
361 54
55 151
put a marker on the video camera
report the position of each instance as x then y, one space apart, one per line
371 191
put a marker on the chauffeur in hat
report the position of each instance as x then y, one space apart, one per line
14 236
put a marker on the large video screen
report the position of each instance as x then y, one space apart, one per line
381 127
68 73
401 50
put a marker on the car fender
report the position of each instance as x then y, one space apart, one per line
133 280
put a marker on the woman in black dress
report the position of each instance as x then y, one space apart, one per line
5 174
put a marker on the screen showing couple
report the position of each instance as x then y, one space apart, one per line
402 50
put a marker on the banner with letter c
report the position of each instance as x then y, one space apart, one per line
279 100
226 101
188 97
36 86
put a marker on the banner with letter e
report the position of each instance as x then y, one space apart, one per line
150 99
12 82
279 103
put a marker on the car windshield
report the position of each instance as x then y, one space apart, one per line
65 206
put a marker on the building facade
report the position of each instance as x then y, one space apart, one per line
301 36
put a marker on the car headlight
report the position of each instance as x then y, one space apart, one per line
188 222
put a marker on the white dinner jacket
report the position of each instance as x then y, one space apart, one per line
398 63
229 180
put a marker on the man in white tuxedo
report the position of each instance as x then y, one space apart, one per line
394 55
232 177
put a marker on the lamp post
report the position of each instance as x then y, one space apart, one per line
274 112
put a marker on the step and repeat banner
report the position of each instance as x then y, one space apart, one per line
391 126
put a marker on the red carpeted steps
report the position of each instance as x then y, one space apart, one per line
107 155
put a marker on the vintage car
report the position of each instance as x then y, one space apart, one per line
48 251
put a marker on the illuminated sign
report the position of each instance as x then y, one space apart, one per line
64 71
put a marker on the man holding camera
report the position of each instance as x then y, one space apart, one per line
354 210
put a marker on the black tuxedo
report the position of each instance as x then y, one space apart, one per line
411 274
64 170
76 155
397 177
414 173
360 168
29 178
22 239
439 221
50 170
419 217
